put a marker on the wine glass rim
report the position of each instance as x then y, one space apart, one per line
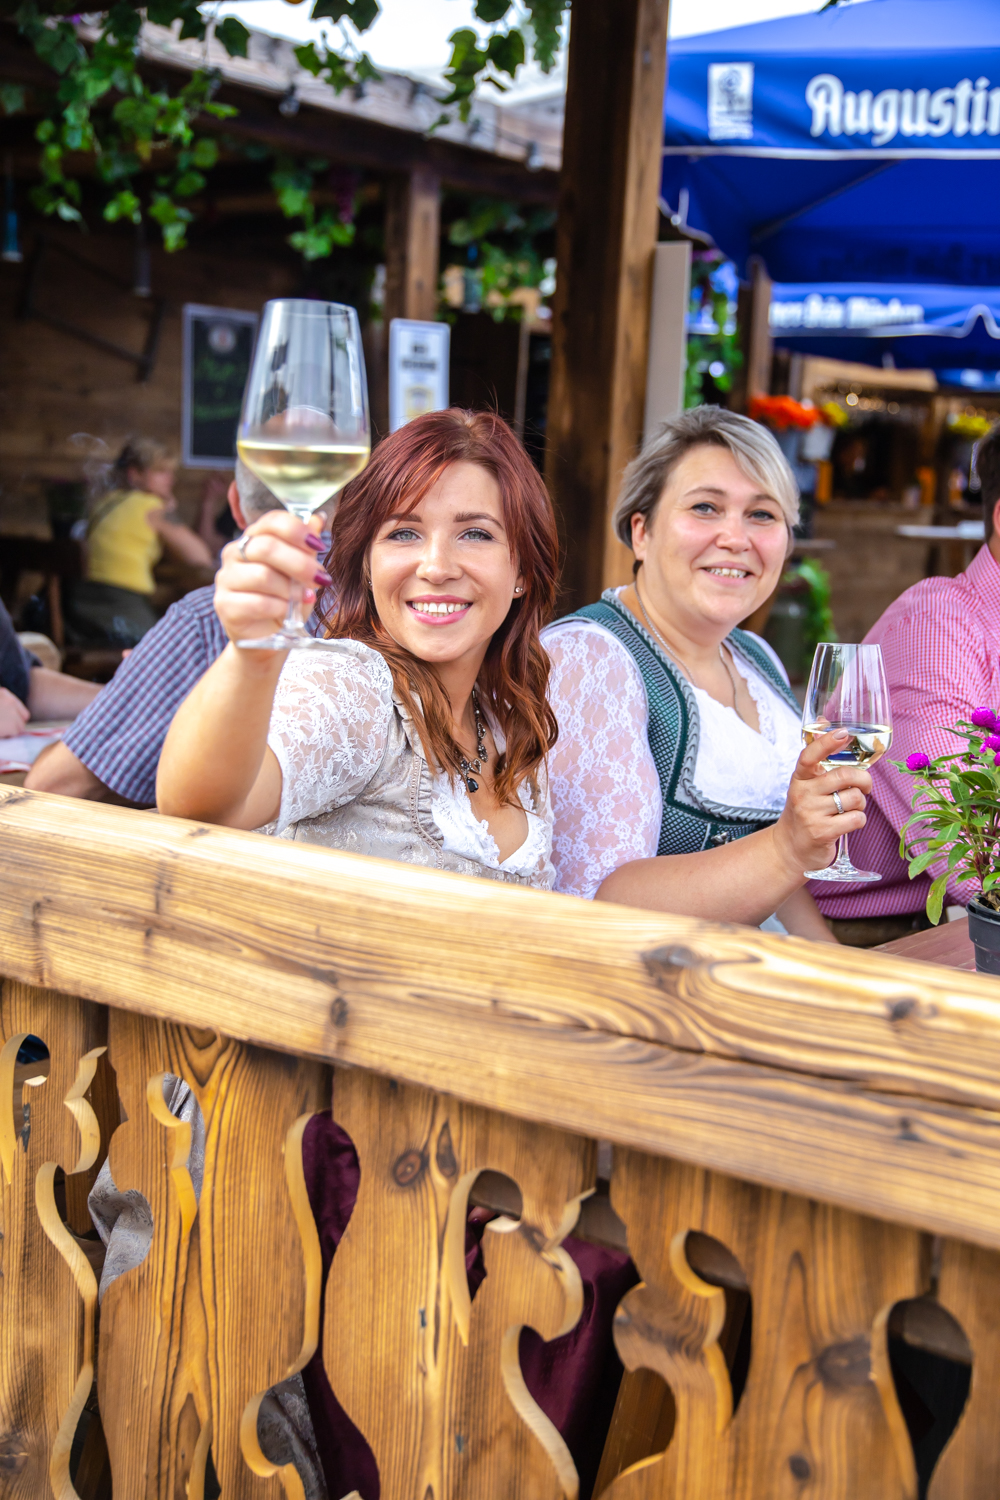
310 305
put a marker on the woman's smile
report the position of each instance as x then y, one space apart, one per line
439 609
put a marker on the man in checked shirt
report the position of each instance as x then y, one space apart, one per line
111 752
941 643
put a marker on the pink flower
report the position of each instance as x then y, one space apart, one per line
918 761
996 759
984 718
992 742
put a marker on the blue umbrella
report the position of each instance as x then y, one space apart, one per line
857 144
920 327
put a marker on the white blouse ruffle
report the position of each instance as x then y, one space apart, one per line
603 780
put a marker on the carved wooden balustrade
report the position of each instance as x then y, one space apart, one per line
805 1164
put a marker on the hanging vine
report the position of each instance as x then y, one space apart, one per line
105 109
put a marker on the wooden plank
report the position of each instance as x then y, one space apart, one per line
412 245
607 228
844 1075
969 1288
432 1379
48 1292
948 945
819 1412
226 1301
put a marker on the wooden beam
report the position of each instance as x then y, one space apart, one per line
864 1081
608 223
412 244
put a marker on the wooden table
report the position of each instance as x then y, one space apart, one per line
949 945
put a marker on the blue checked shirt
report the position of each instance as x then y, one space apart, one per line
119 736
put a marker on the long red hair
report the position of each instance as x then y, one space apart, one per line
514 676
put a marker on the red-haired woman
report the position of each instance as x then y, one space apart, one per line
421 737
443 568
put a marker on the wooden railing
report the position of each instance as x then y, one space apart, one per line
806 1169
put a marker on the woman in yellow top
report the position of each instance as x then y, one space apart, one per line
129 529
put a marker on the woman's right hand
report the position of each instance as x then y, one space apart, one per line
276 554
810 824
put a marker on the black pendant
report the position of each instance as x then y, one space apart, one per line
472 784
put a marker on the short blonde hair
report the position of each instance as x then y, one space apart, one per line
753 448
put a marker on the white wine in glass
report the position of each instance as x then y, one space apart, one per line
848 690
304 427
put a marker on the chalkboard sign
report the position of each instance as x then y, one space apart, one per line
218 348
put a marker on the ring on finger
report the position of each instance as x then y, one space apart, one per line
839 804
241 547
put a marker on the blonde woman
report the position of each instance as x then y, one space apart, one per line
131 525
678 780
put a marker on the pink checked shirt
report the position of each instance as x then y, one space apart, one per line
941 643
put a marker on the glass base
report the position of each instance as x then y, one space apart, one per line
285 640
842 869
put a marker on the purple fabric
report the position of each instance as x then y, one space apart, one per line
574 1379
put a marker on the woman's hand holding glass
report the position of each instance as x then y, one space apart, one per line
810 825
275 555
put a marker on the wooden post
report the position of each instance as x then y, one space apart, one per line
412 233
608 221
668 333
760 344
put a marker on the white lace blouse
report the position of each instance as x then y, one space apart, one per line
605 788
330 729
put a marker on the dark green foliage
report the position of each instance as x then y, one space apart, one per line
105 107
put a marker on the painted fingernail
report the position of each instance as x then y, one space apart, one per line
323 579
315 542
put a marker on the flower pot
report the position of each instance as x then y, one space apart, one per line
984 930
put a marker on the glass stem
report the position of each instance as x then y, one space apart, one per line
294 622
843 858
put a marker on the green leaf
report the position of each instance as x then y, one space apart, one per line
491 10
205 153
233 35
12 97
361 13
919 865
309 59
935 899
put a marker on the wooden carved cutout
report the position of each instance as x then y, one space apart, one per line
433 1382
969 1287
819 1415
48 1292
226 1302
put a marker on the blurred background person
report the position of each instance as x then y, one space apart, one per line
111 753
30 691
131 525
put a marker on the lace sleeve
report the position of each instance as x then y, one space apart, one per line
603 782
328 727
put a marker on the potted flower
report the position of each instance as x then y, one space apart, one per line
956 818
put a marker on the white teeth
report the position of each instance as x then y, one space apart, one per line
730 572
425 607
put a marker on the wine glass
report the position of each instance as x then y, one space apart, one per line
848 690
304 426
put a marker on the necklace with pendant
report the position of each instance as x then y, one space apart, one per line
687 670
472 768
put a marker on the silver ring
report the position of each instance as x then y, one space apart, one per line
840 805
241 547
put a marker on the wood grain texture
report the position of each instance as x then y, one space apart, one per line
818 1416
432 1382
855 1078
226 1302
48 1292
605 235
969 1287
412 245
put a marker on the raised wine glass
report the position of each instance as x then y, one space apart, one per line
848 690
304 426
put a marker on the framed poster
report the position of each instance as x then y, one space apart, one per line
218 348
418 369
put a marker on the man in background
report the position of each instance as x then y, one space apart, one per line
111 752
941 643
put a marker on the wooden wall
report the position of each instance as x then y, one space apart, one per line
54 386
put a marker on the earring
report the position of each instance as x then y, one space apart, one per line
519 589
